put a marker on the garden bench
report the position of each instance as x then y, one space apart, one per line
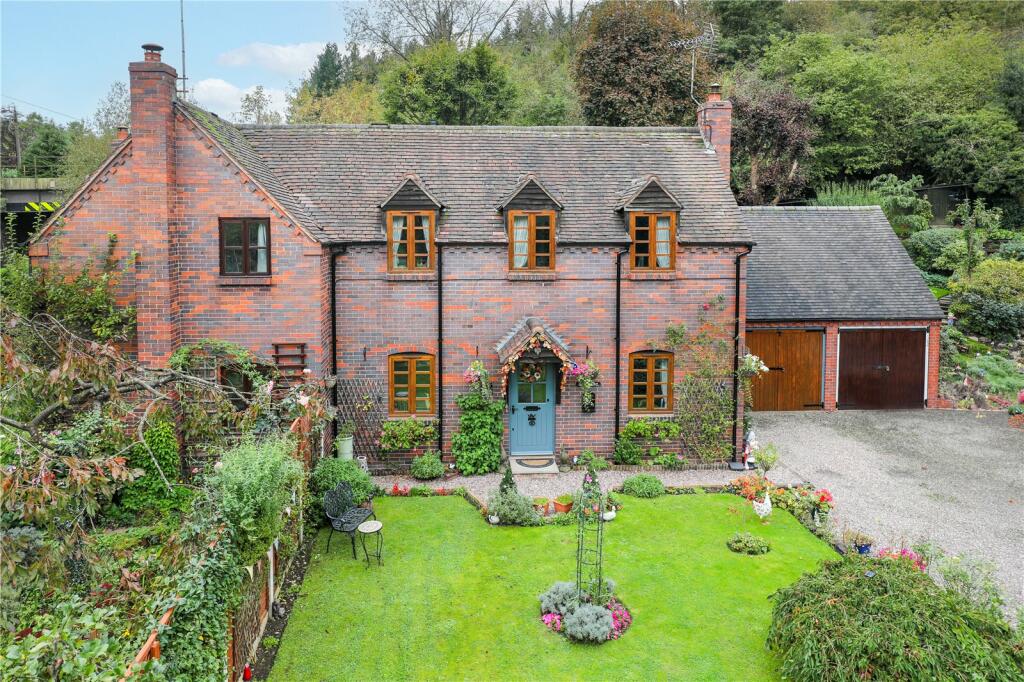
344 514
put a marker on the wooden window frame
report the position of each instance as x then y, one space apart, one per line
412 411
531 249
245 247
652 241
650 357
410 240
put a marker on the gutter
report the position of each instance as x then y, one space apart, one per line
736 362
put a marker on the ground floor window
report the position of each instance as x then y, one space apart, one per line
411 384
650 382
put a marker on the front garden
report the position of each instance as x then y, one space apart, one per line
458 599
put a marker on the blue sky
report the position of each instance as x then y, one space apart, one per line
64 55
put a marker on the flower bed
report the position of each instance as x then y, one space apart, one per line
579 618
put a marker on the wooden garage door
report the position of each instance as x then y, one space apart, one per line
793 381
881 369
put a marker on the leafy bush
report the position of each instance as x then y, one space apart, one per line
405 434
255 484
477 443
329 472
427 466
627 451
651 429
560 598
991 302
588 623
927 245
934 279
588 458
1000 374
1012 250
746 543
149 492
897 624
643 485
513 509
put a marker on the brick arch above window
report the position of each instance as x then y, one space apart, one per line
651 382
411 384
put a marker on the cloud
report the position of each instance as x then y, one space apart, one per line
225 99
293 61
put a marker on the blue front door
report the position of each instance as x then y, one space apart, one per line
532 410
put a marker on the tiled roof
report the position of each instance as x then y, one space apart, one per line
523 183
522 331
823 263
636 188
338 174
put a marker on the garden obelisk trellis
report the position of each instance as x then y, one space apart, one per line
590 541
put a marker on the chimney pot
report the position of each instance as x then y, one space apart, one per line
715 93
122 133
153 51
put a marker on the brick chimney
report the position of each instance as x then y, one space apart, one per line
153 84
714 118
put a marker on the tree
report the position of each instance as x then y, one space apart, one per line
627 71
256 108
443 85
906 210
355 102
326 75
771 138
114 110
746 27
976 221
395 25
44 158
1011 87
983 148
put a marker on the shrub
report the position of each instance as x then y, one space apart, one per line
991 302
896 624
513 509
588 623
255 484
405 434
427 466
588 458
651 429
477 443
999 374
746 543
643 485
560 598
329 472
149 493
627 451
1012 250
927 245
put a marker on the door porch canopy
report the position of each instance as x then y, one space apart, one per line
533 339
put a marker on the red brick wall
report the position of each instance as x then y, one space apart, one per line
832 350
381 314
714 118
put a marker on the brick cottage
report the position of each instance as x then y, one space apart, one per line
394 256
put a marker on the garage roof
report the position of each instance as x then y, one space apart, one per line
831 263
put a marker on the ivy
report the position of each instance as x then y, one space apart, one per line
477 443
405 434
159 460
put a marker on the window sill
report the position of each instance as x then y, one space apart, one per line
650 415
655 275
250 281
417 417
532 276
410 276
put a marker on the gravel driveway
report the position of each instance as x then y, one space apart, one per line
952 477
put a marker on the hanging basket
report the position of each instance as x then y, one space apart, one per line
589 408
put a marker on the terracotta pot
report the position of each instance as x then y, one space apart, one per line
542 509
1017 421
562 508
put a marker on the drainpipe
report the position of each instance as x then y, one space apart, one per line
440 350
618 338
736 361
333 281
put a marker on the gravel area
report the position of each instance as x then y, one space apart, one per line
953 478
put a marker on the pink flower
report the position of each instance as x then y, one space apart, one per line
269 387
706 306
553 621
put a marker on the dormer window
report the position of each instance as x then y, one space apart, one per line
654 241
531 244
410 240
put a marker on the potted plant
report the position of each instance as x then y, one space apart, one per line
563 504
860 542
1017 413
541 505
346 436
587 378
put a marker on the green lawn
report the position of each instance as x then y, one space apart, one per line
457 599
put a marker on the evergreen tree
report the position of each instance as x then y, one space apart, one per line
44 158
326 75
508 484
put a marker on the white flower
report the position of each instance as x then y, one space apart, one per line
218 466
303 400
307 370
270 387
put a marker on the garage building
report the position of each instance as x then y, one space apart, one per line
838 312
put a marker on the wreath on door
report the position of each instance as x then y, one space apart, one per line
531 372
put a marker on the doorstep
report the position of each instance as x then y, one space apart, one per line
533 464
